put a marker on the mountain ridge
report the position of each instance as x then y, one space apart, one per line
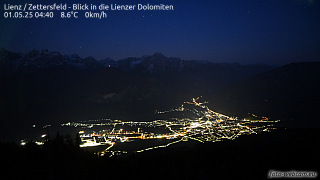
48 87
289 92
11 62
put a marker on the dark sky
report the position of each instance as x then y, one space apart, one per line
257 31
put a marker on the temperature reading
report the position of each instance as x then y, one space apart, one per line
69 14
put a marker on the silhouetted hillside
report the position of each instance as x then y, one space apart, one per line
47 87
289 93
249 157
43 87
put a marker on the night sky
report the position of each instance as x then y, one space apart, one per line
270 31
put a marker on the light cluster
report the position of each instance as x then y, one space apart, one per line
205 125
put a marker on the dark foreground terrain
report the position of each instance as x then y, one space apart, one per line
42 87
249 157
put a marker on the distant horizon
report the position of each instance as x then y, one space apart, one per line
167 56
269 32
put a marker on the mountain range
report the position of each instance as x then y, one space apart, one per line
42 86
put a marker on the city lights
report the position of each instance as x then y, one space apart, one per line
204 125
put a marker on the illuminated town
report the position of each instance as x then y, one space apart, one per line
192 121
205 125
